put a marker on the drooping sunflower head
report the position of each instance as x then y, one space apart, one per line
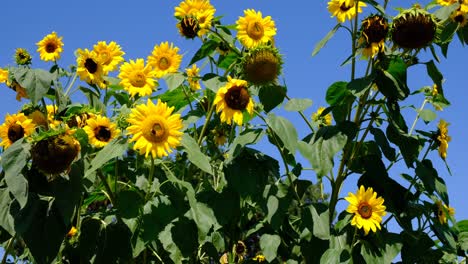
231 101
54 154
460 17
443 138
345 9
374 30
15 127
137 78
100 131
22 57
240 249
254 29
414 28
89 67
262 65
188 27
322 120
110 55
50 47
368 209
154 129
193 77
443 212
79 119
165 59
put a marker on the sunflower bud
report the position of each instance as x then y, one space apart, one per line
262 65
22 57
414 28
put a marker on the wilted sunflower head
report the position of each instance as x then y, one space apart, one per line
262 65
22 57
414 28
54 154
188 27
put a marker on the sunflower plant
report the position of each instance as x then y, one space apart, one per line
162 162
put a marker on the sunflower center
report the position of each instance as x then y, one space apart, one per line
414 31
156 130
459 18
91 65
138 80
240 248
365 210
15 132
50 47
164 63
103 133
255 30
237 98
189 27
344 7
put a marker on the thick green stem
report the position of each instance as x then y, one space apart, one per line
150 178
208 117
71 84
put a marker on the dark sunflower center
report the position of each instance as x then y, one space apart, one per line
240 248
375 29
15 132
50 47
189 27
91 65
237 98
414 32
344 7
139 80
158 132
255 30
164 63
365 210
459 18
103 133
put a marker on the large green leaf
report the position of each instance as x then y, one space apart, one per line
392 80
6 220
13 161
174 80
205 50
435 75
176 98
382 141
336 93
112 150
129 203
360 85
195 155
246 137
384 250
36 81
285 130
269 245
321 223
271 96
297 104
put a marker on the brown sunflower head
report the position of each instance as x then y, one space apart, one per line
262 65
414 28
374 29
55 154
189 27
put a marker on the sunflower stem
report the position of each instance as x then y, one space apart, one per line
208 118
7 249
71 84
303 116
150 178
107 187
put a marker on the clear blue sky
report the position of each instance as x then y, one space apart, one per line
138 25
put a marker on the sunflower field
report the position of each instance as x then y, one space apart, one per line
140 160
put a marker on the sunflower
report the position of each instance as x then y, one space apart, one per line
154 129
367 208
443 211
188 27
322 120
193 76
460 17
259 258
100 131
463 6
232 99
136 78
241 250
443 138
262 65
190 7
345 9
22 57
89 67
3 75
16 126
51 113
50 47
414 28
374 32
446 2
205 19
110 55
165 59
254 30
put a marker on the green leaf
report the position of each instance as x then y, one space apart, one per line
336 93
246 137
324 41
195 155
129 203
321 224
409 145
297 104
427 115
463 240
176 98
13 161
392 81
269 245
213 81
6 220
174 80
271 96
435 75
36 82
332 255
445 12
381 140
205 50
448 32
224 62
389 247
112 150
361 85
285 130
